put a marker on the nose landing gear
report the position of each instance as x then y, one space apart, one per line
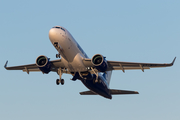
58 47
60 81
58 56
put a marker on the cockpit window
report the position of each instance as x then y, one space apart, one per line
59 28
63 29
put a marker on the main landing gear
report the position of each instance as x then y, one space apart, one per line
58 81
97 79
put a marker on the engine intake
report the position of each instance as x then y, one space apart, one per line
43 64
99 62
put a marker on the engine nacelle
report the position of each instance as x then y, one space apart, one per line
99 62
43 63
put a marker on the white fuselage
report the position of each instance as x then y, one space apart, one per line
70 51
72 56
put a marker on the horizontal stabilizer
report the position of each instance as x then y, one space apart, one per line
112 91
88 93
118 92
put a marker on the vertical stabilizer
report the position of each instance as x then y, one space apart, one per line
107 76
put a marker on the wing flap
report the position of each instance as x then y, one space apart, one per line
128 68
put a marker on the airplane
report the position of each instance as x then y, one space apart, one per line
94 73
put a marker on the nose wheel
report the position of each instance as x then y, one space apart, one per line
60 81
58 55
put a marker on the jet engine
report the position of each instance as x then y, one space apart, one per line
43 63
99 62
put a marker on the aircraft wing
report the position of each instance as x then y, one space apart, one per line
55 65
119 65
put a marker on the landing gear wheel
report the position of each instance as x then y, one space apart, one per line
57 55
62 81
57 81
96 81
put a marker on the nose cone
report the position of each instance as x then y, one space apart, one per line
52 33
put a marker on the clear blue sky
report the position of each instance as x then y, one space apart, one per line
133 30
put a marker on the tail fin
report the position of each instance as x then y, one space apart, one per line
107 76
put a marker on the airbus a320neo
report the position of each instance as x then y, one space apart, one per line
94 73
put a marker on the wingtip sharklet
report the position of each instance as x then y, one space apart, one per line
5 66
173 61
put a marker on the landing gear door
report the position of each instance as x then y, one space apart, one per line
58 47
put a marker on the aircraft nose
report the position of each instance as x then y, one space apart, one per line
52 33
